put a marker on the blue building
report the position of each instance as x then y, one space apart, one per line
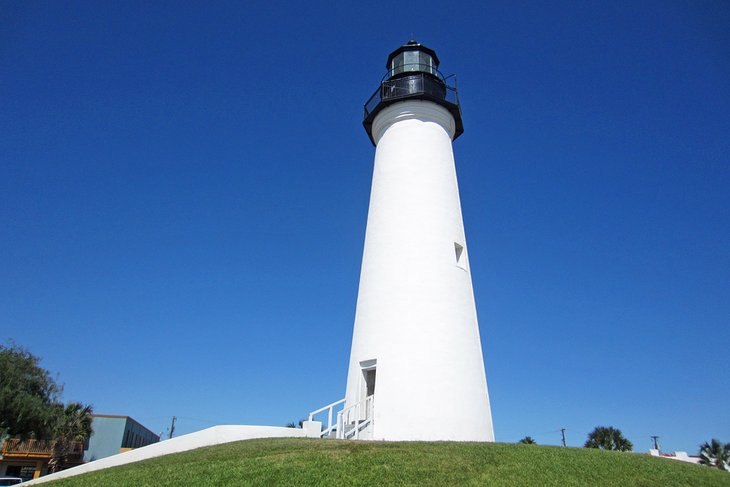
116 434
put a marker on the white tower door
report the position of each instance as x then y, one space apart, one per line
369 385
367 388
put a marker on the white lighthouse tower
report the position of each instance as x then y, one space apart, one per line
416 370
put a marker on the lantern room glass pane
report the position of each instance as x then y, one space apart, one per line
412 61
396 65
426 63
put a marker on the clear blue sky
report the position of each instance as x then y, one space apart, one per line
184 191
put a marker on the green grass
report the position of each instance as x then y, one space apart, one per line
288 461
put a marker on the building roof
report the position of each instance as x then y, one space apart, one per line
115 416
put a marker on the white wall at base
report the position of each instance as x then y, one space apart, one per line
207 437
680 456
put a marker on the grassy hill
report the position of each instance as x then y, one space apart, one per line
298 462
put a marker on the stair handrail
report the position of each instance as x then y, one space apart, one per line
343 416
329 408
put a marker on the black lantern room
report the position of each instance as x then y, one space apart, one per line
413 74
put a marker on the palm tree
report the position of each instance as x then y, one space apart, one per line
608 438
73 424
527 440
715 454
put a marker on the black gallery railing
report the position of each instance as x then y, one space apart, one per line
415 84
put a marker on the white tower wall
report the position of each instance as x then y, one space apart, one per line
415 310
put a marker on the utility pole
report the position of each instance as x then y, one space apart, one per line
562 431
172 427
656 442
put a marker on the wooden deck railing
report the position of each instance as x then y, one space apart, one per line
16 447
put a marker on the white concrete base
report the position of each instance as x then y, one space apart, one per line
207 437
312 429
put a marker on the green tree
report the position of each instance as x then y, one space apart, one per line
715 454
27 394
527 440
608 438
73 424
294 424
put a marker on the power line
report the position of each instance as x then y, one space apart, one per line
548 432
201 420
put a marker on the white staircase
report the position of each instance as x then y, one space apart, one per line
354 422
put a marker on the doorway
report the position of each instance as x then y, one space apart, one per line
367 387
369 375
367 380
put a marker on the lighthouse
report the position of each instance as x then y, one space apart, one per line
416 370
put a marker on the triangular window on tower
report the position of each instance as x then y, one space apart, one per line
460 255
